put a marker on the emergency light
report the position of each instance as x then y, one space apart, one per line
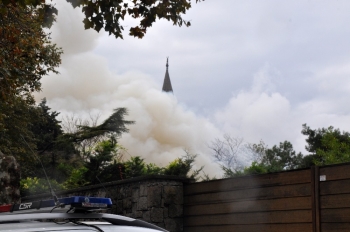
76 202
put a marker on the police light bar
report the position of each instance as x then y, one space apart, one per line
76 202
87 202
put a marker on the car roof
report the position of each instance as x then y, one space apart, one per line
76 213
27 222
41 226
36 226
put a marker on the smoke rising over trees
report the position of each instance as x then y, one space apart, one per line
28 55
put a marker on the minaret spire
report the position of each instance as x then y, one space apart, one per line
167 84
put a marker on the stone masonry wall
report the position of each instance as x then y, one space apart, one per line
154 199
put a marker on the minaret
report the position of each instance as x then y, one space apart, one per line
167 84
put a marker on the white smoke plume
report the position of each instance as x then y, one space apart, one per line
263 113
163 127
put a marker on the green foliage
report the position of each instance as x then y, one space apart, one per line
308 161
282 157
337 149
112 172
76 178
115 125
35 129
183 167
45 12
26 55
50 149
275 159
255 168
26 52
315 137
102 162
228 172
14 126
31 186
103 167
153 169
176 168
46 127
327 145
109 14
135 167
57 152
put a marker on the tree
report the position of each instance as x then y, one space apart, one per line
108 14
338 149
98 148
46 128
51 149
275 159
256 151
183 167
135 167
226 152
327 145
263 159
16 138
32 133
26 53
71 125
282 157
254 169
35 185
114 125
102 164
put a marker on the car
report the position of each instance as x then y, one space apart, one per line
70 214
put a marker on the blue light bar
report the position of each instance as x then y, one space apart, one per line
87 202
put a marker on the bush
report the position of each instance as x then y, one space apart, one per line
31 186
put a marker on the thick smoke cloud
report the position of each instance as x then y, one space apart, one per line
163 128
264 113
260 75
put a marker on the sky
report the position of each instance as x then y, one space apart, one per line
251 69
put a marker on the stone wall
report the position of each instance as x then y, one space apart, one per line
9 180
154 199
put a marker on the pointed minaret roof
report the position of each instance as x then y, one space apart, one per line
167 84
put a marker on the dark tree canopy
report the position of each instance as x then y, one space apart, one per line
108 14
314 137
327 145
15 128
26 53
282 157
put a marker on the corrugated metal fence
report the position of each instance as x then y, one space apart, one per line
286 201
